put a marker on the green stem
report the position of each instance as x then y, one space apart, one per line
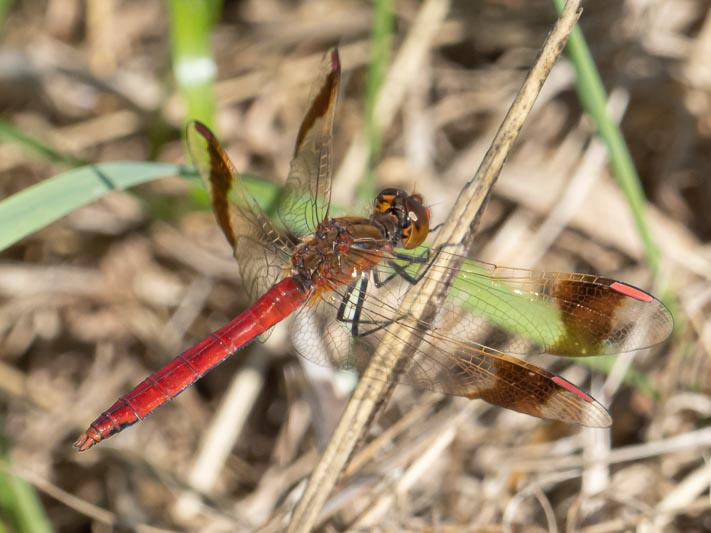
381 39
594 100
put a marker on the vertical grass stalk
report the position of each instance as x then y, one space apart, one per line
191 22
380 46
593 97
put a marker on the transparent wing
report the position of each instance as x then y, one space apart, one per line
486 313
528 312
260 249
307 194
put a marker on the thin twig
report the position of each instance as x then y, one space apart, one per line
699 439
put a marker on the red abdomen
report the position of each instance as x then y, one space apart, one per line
276 304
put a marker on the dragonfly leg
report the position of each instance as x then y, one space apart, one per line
354 317
350 312
380 282
399 270
413 259
428 258
346 303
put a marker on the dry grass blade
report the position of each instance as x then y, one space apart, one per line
694 441
464 217
224 430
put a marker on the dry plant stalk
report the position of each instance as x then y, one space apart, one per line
375 382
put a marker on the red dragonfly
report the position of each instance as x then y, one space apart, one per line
345 277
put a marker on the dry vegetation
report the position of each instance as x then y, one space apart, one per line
94 302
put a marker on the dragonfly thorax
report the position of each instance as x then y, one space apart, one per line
339 251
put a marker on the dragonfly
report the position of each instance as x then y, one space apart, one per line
343 279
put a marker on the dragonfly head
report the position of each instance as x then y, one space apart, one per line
411 217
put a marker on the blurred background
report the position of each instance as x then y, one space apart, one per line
92 303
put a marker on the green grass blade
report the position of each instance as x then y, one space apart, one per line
20 507
191 22
37 206
380 44
594 99
5 6
12 134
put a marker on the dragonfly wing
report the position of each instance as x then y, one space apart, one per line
260 249
529 312
443 365
484 314
317 334
439 363
307 194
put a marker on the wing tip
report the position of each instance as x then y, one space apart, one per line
335 60
201 128
592 413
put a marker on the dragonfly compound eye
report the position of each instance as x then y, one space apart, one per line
417 226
